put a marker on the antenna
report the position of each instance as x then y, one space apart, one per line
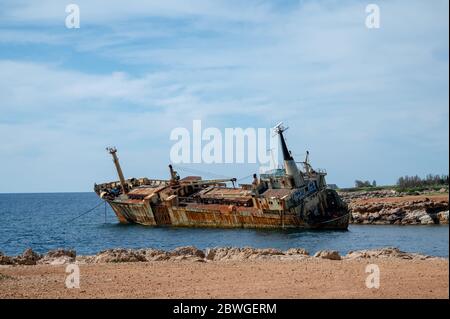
306 164
278 125
111 150
279 128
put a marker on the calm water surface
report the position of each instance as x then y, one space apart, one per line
39 221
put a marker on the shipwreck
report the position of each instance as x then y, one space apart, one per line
286 197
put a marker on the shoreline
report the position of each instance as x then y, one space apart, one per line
63 256
187 272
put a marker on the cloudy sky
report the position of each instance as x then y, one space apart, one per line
367 103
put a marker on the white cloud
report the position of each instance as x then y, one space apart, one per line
350 94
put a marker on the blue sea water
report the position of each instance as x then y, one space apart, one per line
39 221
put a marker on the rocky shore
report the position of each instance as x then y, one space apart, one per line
387 207
191 253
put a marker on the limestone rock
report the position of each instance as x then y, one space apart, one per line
85 259
426 220
328 254
422 210
443 217
210 254
188 251
28 257
58 257
387 252
296 251
119 255
154 254
413 217
5 260
234 253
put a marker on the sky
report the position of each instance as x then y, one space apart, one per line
368 104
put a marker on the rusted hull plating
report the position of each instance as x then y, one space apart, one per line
218 217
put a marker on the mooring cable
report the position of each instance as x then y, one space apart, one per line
66 222
81 215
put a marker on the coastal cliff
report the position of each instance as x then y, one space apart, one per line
389 207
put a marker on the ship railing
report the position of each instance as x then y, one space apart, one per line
134 182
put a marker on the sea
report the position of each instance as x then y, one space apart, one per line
83 222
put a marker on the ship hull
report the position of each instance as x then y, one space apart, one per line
219 216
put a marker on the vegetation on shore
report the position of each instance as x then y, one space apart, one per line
405 184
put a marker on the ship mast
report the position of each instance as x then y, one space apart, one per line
113 151
307 166
289 164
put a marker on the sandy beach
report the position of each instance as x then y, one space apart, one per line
307 278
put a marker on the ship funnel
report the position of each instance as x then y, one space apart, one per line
113 151
289 163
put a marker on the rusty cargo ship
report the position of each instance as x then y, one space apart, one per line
281 198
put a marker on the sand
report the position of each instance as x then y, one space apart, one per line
309 278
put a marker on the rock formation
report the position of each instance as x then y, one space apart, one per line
365 208
193 254
58 257
328 254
